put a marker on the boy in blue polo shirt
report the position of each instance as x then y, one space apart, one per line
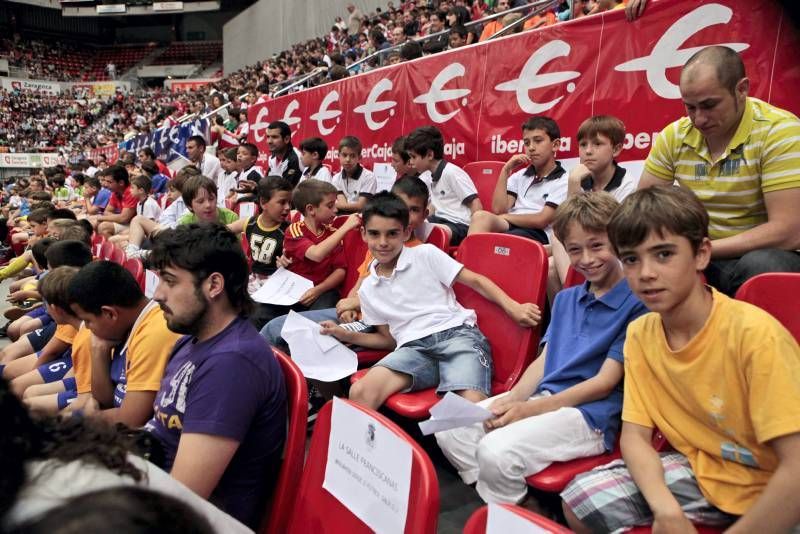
567 404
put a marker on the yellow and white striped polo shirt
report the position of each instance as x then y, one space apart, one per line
763 156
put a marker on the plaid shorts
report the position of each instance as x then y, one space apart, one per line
606 499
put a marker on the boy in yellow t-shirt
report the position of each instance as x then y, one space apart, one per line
718 377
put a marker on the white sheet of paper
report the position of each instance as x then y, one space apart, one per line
368 469
319 356
453 411
384 176
283 287
502 521
247 209
151 281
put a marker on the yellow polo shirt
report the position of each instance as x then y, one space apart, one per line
763 156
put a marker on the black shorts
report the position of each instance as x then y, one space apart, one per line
531 233
458 230
39 337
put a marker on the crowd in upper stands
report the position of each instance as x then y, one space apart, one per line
401 31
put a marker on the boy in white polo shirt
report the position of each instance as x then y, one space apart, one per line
525 202
409 299
453 195
354 184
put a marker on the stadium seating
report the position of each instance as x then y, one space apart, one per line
476 524
316 510
203 53
770 292
136 268
280 508
484 175
501 258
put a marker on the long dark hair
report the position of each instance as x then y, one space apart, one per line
24 439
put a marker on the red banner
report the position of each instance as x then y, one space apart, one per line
479 96
110 152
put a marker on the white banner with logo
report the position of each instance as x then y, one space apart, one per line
28 161
22 84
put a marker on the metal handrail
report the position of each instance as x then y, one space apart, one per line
310 75
488 18
533 13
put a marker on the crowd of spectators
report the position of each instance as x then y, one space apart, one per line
36 122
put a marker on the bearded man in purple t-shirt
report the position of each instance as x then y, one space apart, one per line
220 413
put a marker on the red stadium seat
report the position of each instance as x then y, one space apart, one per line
476 524
438 238
501 258
573 278
106 250
772 293
136 268
97 244
484 175
318 511
280 509
555 477
117 255
701 529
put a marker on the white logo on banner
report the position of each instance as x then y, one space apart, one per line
373 105
288 116
530 78
667 54
325 114
437 94
260 124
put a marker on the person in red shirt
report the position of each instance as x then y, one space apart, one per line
121 206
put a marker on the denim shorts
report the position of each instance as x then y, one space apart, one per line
452 360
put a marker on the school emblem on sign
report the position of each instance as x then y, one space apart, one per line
369 437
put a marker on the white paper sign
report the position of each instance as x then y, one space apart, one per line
283 288
368 469
319 356
151 281
453 411
502 521
247 209
385 176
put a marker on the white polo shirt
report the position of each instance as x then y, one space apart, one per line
451 190
321 173
209 166
361 183
417 300
620 186
533 193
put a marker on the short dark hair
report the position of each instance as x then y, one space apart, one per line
399 148
142 181
385 204
461 30
62 213
282 126
104 283
150 167
726 61
606 125
250 147
40 215
352 142
410 50
423 139
193 185
311 192
68 252
54 287
315 145
203 249
118 173
148 152
78 232
270 185
92 181
198 139
546 124
658 209
39 251
412 187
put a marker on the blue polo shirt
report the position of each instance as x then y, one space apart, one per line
584 332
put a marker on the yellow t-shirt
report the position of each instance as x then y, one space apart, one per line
82 359
763 156
65 333
719 399
149 346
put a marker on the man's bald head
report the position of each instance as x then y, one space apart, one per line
726 62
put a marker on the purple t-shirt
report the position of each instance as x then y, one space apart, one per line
230 385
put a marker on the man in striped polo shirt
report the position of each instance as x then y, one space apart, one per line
741 157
